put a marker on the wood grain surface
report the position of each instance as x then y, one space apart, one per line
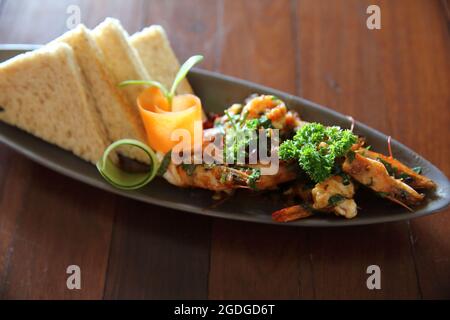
396 79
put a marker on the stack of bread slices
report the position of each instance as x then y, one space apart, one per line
67 91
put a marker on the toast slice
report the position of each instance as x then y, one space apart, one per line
121 59
157 55
117 114
42 92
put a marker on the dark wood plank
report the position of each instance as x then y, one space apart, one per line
14 177
192 26
258 262
340 258
420 100
350 69
431 243
258 43
446 8
424 82
247 260
61 223
14 172
158 253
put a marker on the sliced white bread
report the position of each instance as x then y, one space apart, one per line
118 115
157 55
42 92
121 59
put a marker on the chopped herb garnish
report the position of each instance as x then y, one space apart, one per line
253 178
223 177
403 194
316 147
345 178
209 166
243 118
252 124
265 122
337 171
417 170
188 168
231 119
406 177
335 199
351 156
241 133
164 164
383 194
390 169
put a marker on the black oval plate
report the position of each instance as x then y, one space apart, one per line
217 92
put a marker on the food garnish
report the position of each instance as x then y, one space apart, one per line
163 112
417 170
164 164
122 179
160 123
335 199
182 73
316 147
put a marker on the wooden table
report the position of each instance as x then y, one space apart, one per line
396 79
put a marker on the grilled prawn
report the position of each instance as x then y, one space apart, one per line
227 178
399 170
374 175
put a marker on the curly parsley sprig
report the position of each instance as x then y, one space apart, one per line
316 147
